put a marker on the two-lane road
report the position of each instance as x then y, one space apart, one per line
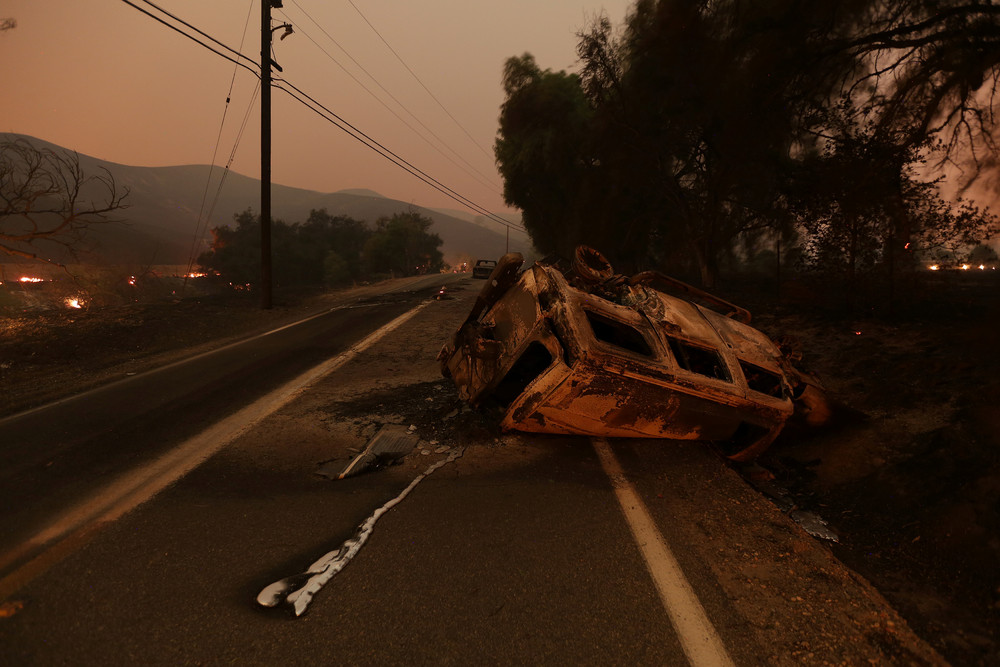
525 550
54 456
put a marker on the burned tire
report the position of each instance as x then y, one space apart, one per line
591 265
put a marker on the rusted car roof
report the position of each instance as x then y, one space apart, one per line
577 349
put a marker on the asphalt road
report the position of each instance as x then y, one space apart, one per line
53 456
518 552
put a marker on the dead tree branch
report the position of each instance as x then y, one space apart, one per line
46 196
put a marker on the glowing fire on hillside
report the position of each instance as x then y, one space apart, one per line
30 279
74 302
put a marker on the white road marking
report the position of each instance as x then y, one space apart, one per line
138 486
697 635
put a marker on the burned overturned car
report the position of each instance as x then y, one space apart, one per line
573 348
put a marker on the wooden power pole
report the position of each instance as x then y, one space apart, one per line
265 151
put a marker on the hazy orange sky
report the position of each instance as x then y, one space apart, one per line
103 79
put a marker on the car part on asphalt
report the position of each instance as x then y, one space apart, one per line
575 348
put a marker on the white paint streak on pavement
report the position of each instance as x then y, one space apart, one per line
138 486
298 590
697 635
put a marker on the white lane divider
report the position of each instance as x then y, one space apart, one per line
697 635
138 486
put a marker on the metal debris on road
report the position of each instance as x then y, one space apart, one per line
814 524
390 443
574 348
299 590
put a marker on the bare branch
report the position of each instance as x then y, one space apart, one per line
45 195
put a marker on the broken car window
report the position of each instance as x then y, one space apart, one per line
618 334
762 380
701 360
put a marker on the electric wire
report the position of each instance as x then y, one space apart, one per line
342 124
232 155
371 143
417 78
203 34
201 226
360 136
424 176
196 40
479 176
487 182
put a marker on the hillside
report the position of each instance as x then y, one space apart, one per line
160 224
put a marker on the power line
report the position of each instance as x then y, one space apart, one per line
417 78
232 154
198 230
371 143
479 176
339 122
203 34
196 40
490 183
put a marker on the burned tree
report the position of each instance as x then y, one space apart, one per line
47 198
932 68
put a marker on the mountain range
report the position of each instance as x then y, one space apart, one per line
161 222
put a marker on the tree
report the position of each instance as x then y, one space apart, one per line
235 251
699 118
931 68
402 245
46 198
544 124
324 250
323 233
674 138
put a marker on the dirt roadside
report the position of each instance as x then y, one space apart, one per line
909 474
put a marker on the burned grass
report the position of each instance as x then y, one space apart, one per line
909 476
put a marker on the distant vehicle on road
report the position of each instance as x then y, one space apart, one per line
483 268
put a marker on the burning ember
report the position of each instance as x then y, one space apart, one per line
196 275
73 302
131 280
933 267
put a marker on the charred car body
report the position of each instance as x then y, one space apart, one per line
483 268
574 348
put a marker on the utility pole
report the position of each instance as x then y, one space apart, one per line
265 151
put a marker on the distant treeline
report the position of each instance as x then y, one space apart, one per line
325 249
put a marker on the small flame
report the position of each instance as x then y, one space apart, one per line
933 267
29 279
131 280
965 267
196 275
982 267
73 302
